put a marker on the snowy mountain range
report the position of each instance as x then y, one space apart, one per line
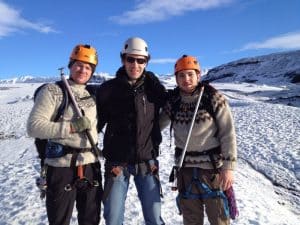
279 70
276 68
97 78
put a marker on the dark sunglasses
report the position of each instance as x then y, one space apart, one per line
130 59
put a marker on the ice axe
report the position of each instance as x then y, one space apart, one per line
178 163
95 148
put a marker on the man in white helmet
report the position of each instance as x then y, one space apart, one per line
129 106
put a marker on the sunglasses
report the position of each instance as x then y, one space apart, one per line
130 59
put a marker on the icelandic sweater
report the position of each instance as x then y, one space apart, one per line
207 132
41 123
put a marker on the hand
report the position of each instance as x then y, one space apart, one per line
116 170
153 169
153 164
226 179
80 124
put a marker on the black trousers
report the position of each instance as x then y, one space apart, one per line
64 189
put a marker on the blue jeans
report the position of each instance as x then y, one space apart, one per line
148 187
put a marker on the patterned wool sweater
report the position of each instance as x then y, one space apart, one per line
207 133
40 122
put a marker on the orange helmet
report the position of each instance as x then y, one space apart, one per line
85 53
187 63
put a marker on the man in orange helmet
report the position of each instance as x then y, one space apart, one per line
72 171
208 155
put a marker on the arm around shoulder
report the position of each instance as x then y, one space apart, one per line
154 85
102 96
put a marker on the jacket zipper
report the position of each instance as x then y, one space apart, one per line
144 104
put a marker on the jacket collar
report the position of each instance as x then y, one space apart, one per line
123 76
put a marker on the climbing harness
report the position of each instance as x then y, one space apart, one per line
206 192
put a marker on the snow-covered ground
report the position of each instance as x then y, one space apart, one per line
267 178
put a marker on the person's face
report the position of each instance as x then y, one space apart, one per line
81 72
134 65
187 80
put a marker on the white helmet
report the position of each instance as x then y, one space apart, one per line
135 46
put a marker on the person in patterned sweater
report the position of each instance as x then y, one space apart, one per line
211 153
72 170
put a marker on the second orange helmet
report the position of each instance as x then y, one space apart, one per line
187 63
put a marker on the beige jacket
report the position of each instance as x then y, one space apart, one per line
40 122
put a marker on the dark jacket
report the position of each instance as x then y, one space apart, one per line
132 133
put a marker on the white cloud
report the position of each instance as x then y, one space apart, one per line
157 10
163 61
285 41
11 21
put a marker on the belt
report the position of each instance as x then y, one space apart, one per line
71 150
216 150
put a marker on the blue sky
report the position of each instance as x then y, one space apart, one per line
36 37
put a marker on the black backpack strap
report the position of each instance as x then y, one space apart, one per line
65 101
208 94
174 100
41 143
38 90
92 89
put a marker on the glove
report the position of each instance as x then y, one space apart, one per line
80 124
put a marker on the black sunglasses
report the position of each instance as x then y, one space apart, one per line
130 59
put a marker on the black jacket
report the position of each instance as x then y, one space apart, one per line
130 113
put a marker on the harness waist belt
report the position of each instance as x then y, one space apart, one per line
71 150
216 150
132 168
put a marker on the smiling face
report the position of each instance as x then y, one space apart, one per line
187 80
81 72
134 66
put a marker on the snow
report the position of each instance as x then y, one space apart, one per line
267 179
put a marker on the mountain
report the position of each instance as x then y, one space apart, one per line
97 78
279 70
28 79
276 68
